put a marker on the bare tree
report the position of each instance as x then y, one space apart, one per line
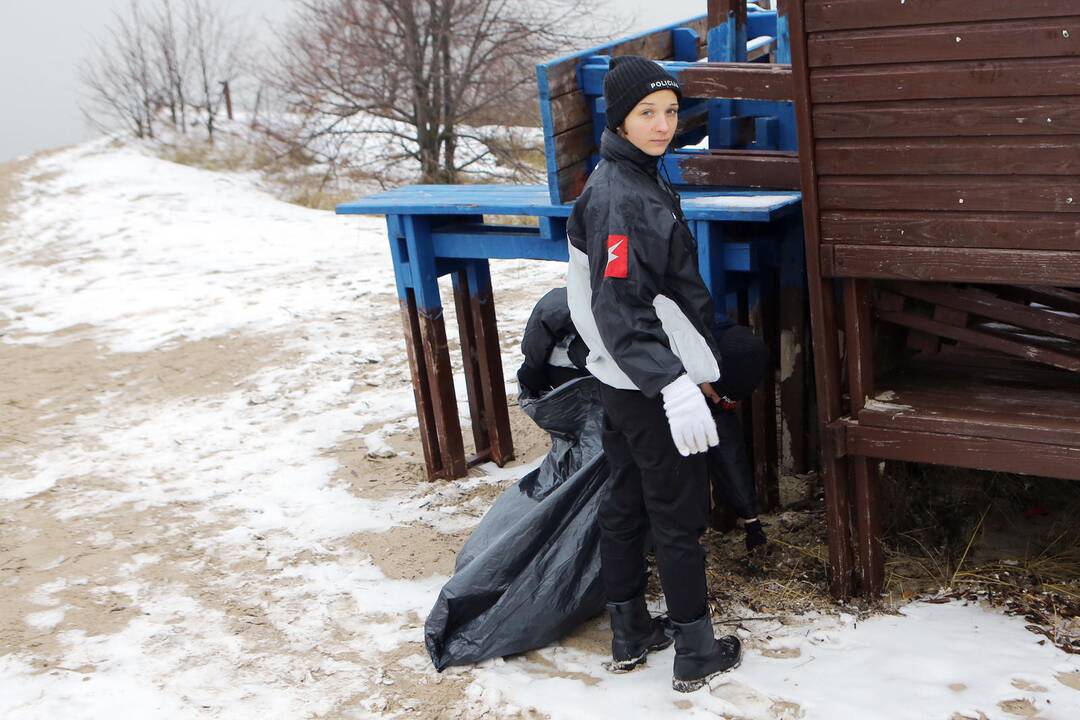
119 78
216 46
421 75
163 66
173 62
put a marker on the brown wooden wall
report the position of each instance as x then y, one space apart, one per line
946 135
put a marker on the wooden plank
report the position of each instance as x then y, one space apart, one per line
421 389
569 111
736 81
1037 267
984 340
959 421
991 79
1029 458
762 318
1029 337
988 305
495 413
946 394
440 376
951 156
823 327
572 180
859 336
1061 299
824 15
574 146
1026 116
735 168
951 316
1037 37
1031 193
952 229
793 352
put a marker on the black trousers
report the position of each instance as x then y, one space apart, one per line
651 485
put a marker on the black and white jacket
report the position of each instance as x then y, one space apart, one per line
635 293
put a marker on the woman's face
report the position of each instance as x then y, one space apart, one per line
650 126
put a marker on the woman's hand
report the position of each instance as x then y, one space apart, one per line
710 393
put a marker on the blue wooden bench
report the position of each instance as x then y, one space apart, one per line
750 238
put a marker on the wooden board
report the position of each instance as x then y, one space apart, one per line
1024 116
838 500
984 303
979 339
845 14
983 453
951 156
569 111
1046 194
961 421
931 81
736 168
1038 37
951 264
736 81
575 145
1061 299
1033 231
572 180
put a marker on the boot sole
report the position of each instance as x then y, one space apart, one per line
685 686
620 667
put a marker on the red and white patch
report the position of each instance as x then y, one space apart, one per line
618 252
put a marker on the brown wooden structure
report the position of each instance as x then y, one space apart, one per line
940 153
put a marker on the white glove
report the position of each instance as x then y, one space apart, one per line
692 426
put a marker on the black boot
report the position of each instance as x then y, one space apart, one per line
699 656
634 634
755 535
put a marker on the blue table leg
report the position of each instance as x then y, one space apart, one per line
710 242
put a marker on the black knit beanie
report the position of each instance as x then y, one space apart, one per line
629 79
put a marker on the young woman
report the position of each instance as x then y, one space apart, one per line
639 303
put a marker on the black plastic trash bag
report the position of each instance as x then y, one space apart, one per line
530 572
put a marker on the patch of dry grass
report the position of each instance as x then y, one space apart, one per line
1009 539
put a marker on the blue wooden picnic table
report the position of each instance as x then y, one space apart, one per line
436 230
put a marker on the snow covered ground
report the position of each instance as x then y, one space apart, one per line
210 502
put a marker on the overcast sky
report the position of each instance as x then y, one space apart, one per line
43 41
